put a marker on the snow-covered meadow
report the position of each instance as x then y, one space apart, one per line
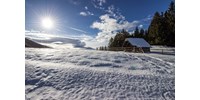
78 74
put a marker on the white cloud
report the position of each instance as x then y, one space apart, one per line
114 12
99 7
104 36
75 2
106 24
38 35
110 10
90 13
140 26
108 27
83 13
86 8
87 13
111 24
100 2
148 18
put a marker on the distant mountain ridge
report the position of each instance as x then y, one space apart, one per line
32 44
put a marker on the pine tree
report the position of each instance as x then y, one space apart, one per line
125 33
136 33
119 38
141 34
110 44
162 27
146 35
155 29
170 25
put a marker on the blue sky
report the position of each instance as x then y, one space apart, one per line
97 20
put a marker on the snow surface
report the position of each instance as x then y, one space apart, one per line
76 74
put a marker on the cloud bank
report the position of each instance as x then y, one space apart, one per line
108 26
52 39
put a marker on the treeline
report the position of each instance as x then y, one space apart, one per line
120 37
102 48
161 31
162 28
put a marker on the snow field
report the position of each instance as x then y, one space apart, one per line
69 74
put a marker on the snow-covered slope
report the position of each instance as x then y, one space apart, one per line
75 74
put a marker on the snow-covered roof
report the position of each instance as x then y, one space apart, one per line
139 42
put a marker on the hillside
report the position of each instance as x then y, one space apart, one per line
32 44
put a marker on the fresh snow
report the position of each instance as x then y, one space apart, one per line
76 74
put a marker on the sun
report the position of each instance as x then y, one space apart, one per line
47 23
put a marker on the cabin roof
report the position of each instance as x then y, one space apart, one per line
139 42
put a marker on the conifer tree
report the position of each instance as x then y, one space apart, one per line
141 34
136 33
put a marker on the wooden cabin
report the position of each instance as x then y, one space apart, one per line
136 45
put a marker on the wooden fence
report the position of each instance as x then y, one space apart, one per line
126 49
163 50
140 50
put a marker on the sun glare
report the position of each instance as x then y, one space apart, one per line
47 23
